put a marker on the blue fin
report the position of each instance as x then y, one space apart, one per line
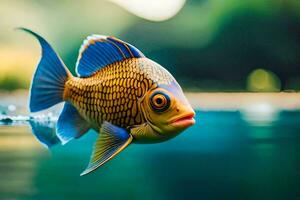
98 51
47 85
70 124
111 141
45 133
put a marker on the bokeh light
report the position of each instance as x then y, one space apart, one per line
261 80
152 10
260 113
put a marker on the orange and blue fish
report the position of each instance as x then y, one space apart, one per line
118 92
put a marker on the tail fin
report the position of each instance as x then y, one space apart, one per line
48 83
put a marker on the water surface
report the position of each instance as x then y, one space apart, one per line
226 155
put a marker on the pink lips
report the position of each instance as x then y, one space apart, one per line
184 121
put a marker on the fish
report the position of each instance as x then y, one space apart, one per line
117 91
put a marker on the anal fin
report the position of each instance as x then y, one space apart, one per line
111 141
70 124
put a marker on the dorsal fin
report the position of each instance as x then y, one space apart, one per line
97 51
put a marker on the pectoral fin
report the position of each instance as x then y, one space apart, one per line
111 141
144 133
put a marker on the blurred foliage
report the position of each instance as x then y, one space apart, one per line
12 83
210 45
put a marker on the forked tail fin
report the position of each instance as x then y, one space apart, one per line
48 83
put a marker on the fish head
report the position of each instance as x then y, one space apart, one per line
167 110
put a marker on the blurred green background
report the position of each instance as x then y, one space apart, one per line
209 45
243 145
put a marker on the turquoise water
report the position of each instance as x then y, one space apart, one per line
224 156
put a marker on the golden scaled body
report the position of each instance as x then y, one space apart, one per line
112 94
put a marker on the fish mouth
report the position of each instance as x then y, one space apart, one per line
183 121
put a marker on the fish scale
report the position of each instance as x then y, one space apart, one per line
112 93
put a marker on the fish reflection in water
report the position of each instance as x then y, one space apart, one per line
43 126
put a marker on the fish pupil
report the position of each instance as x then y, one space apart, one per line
159 100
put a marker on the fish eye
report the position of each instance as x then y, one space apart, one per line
159 101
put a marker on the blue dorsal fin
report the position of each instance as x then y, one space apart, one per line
97 51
